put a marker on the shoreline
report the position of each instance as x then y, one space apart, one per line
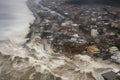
35 22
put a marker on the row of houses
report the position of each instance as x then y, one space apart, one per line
66 35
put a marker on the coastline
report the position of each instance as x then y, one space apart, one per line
32 25
37 61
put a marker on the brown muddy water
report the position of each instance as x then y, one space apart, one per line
32 62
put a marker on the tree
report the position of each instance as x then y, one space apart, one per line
94 1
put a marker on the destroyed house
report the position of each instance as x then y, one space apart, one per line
110 76
46 33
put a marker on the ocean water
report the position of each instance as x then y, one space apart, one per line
16 61
15 18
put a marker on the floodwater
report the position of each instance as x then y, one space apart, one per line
32 62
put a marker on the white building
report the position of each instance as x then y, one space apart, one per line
94 33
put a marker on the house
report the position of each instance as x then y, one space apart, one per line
93 50
94 33
116 57
113 49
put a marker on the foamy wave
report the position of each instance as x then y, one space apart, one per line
15 23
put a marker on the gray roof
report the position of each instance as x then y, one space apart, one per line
110 76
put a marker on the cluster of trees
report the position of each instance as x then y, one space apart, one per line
94 1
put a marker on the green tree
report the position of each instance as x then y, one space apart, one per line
94 1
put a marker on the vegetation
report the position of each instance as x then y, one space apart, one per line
115 30
94 1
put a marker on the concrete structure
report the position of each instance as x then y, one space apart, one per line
94 33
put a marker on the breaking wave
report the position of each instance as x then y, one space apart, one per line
15 19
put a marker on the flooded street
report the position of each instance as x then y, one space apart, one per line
35 63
